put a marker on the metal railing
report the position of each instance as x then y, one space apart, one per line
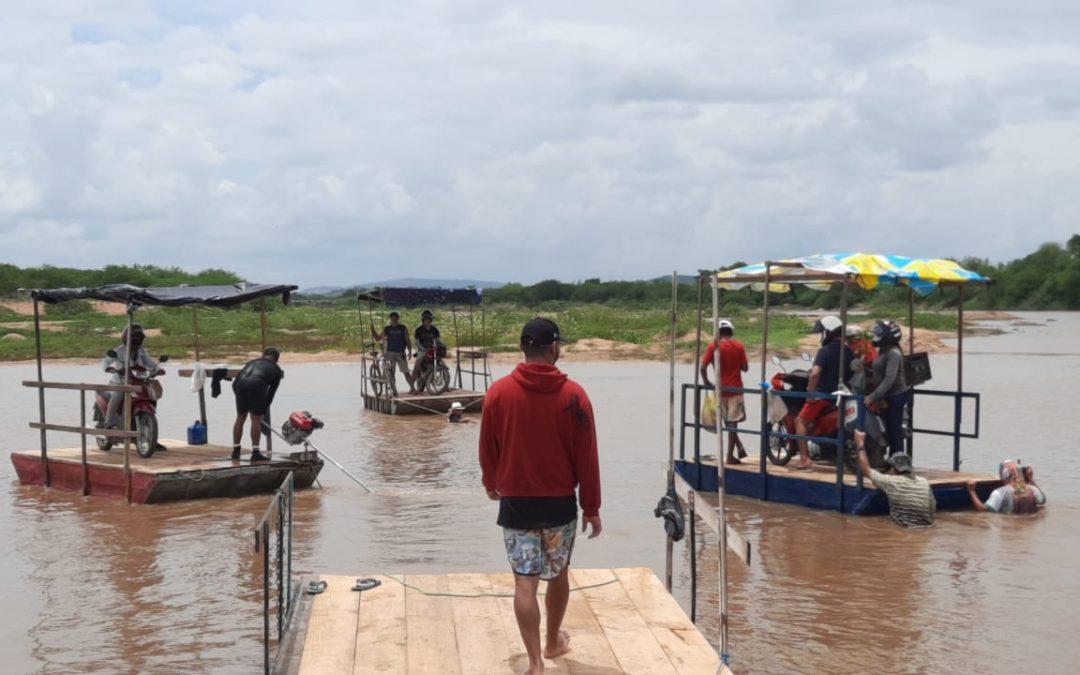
274 533
83 430
767 433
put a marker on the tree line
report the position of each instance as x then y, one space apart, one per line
1048 278
13 278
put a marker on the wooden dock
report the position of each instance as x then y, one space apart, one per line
620 621
181 472
817 487
424 404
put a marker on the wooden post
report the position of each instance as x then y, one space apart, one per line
669 550
46 478
198 358
82 423
262 326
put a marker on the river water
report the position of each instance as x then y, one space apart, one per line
92 585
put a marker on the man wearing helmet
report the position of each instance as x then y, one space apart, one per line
427 337
824 379
890 383
117 365
733 364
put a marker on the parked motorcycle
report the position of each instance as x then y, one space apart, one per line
434 374
143 407
784 409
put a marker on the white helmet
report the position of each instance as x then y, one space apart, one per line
829 327
853 331
725 323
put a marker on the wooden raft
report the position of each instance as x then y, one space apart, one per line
621 621
423 404
825 472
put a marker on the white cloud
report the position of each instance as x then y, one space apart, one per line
334 142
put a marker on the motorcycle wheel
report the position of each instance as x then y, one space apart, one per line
439 381
780 450
103 444
375 377
147 426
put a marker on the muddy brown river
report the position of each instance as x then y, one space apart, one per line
90 585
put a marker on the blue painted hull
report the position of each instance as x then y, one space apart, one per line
811 493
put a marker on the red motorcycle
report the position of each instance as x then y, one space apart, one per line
784 409
143 407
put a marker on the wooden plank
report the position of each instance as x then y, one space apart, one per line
826 473
432 639
381 637
681 641
633 644
590 650
483 645
330 645
706 509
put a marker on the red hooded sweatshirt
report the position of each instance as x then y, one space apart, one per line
538 437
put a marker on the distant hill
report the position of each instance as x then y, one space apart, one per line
404 283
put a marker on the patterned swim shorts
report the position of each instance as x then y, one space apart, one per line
545 552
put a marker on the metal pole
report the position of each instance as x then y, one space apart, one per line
697 377
127 404
280 565
670 547
198 358
839 383
957 408
764 403
46 478
82 423
910 441
722 521
266 596
693 557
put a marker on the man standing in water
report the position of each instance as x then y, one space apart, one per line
1018 493
254 388
537 444
911 501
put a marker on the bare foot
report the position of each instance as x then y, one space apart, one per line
803 467
560 647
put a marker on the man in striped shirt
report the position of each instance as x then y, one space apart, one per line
911 501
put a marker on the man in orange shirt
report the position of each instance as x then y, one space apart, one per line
733 364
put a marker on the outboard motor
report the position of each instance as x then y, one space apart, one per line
299 426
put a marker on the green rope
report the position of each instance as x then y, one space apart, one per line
435 594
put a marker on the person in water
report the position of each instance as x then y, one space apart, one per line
1019 494
911 500
537 444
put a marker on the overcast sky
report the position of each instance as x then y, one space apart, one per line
333 142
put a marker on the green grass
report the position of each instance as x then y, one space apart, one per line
233 332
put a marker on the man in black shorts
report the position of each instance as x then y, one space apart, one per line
255 387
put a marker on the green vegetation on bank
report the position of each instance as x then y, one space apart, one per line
634 312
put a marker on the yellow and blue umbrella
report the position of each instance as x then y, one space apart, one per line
868 270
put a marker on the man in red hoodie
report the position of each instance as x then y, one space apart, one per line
537 444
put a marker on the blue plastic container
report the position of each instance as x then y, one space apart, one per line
196 433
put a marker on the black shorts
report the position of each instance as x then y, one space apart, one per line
250 396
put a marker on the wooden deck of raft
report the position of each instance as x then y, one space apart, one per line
826 472
620 621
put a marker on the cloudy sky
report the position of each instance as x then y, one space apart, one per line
335 141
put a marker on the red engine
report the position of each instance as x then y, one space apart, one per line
299 426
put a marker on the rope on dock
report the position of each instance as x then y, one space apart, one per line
438 594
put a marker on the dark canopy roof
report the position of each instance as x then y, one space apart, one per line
168 296
415 297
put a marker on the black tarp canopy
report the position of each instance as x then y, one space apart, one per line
168 296
415 297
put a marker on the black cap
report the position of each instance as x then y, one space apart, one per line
539 331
